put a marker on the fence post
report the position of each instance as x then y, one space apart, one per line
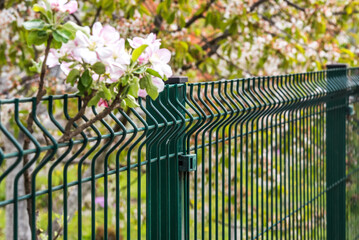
335 152
164 218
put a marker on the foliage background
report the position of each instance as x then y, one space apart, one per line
209 39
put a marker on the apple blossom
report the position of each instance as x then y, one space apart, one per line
152 43
119 61
159 60
99 63
64 6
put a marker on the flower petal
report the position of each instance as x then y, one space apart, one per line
85 54
104 52
109 34
96 29
142 93
158 83
164 55
71 7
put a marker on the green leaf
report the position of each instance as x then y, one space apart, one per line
138 51
153 73
94 101
171 17
86 79
74 74
36 67
123 104
99 68
60 36
131 101
73 28
140 70
134 87
36 37
151 89
55 44
106 93
36 24
124 80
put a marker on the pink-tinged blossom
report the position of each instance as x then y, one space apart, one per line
159 60
100 201
105 34
152 44
103 103
95 47
64 6
119 61
158 83
142 93
151 40
52 58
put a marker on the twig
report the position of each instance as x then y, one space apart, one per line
199 15
70 134
77 20
294 5
80 113
96 16
30 121
256 4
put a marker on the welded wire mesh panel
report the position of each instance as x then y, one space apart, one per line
261 149
92 187
352 169
237 159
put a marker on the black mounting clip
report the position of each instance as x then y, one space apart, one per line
187 163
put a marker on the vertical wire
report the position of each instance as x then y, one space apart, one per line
37 169
52 168
25 167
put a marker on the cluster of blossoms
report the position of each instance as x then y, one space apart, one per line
98 62
105 46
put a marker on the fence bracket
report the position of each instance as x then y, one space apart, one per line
187 163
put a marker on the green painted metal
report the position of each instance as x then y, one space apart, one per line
165 182
257 158
336 154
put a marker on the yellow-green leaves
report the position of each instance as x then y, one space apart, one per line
36 67
147 84
138 51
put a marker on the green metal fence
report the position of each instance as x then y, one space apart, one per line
259 158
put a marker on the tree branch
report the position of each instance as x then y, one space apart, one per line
294 5
212 46
77 20
70 134
256 4
96 16
79 113
345 13
30 121
199 15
